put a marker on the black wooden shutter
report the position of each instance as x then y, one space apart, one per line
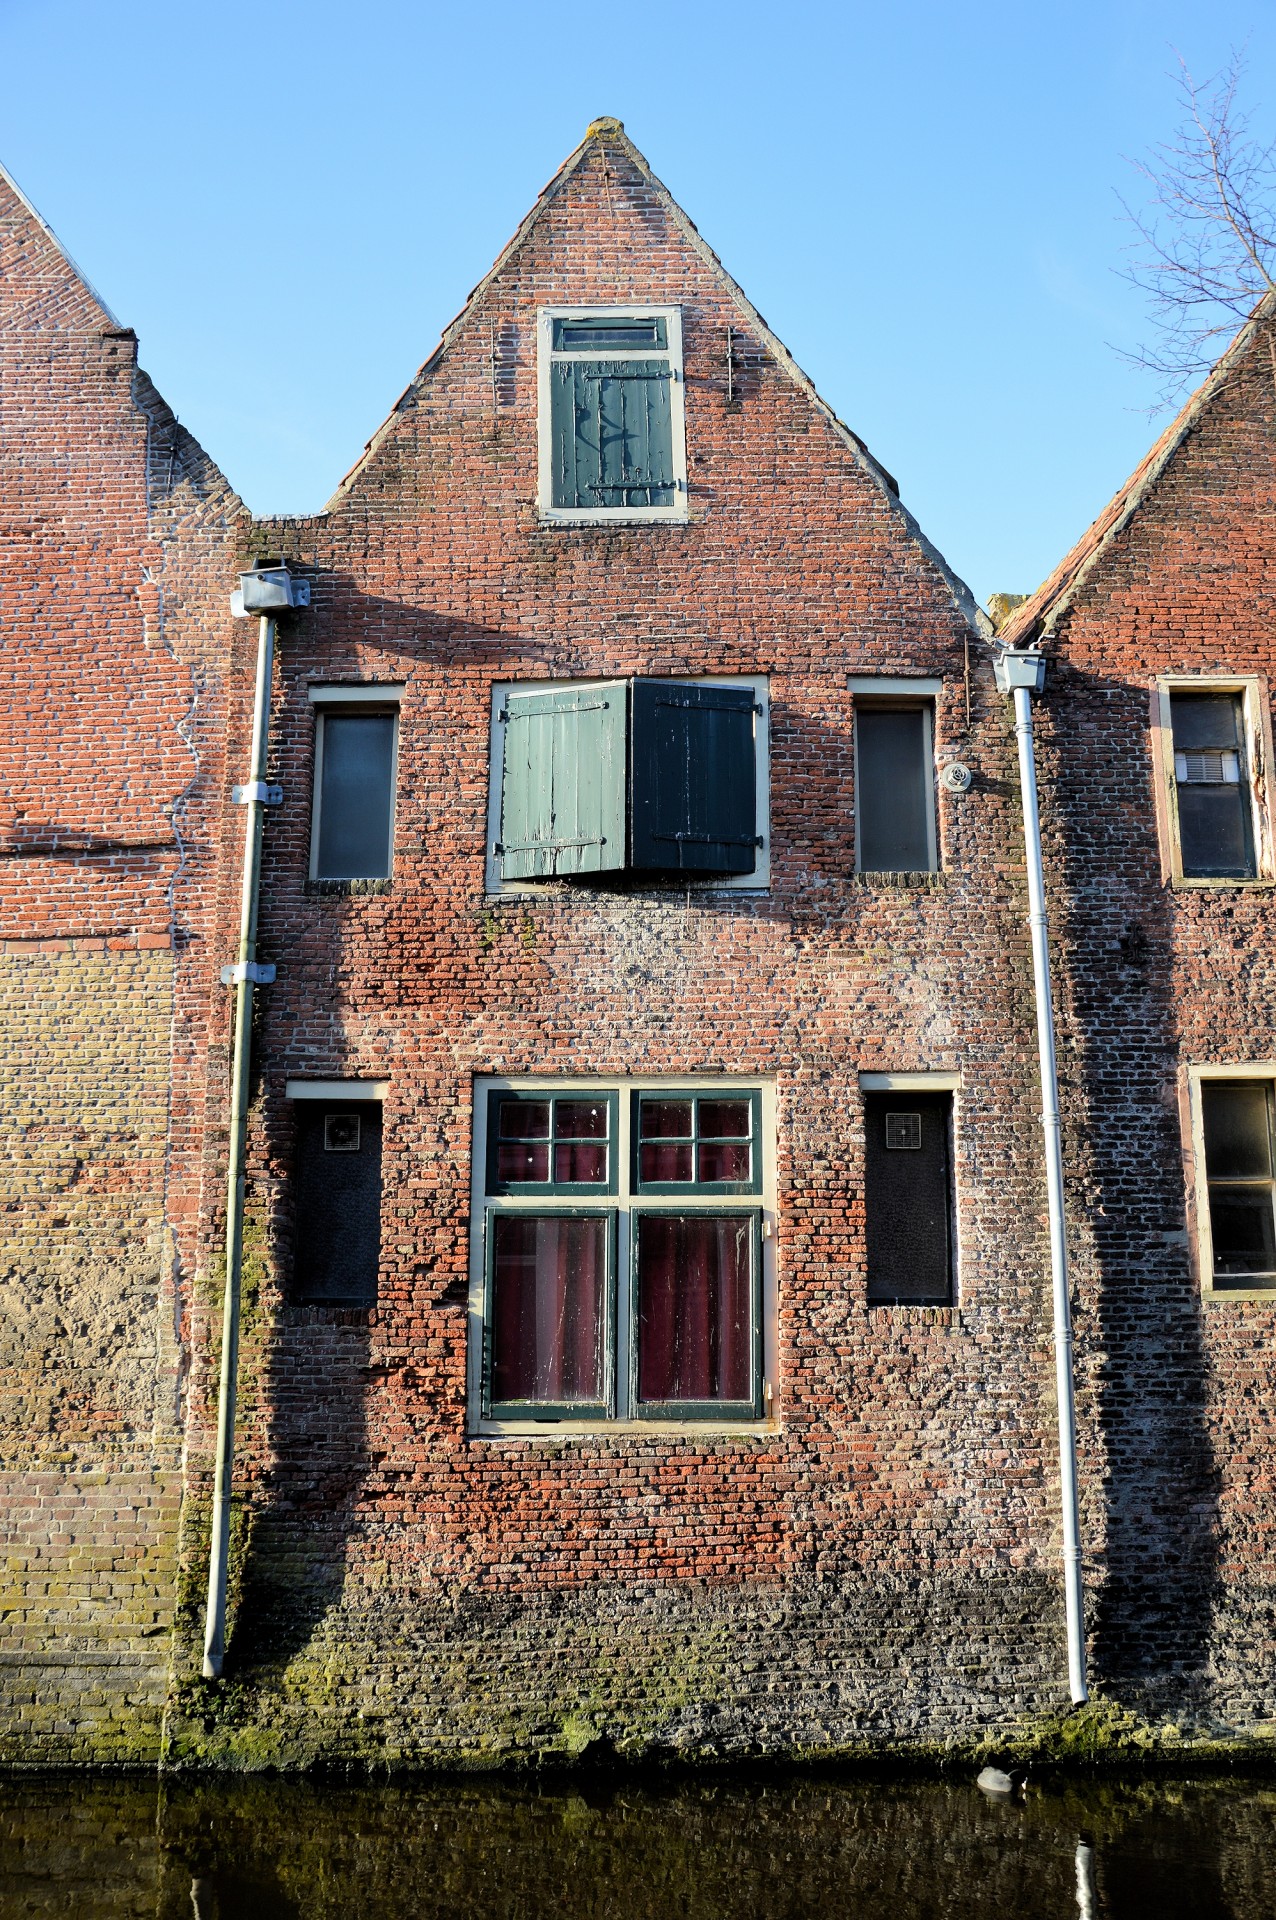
908 1196
694 778
338 1199
562 782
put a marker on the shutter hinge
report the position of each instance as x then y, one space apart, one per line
258 790
258 973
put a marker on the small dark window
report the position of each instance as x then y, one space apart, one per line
338 1201
709 1141
1212 786
354 795
894 789
1240 1167
908 1197
559 1142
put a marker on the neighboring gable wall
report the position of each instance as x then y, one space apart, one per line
405 1587
96 774
1157 979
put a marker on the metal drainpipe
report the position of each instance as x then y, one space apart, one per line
1022 673
273 590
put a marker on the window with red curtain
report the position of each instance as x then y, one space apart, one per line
562 1208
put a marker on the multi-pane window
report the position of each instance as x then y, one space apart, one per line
908 1196
621 1255
645 777
1239 1119
894 786
611 414
1213 791
352 817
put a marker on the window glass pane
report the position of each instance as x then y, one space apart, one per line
355 798
602 332
666 1162
1237 1131
524 1119
666 1119
893 790
1243 1231
583 1162
522 1160
695 1308
549 1286
580 1119
724 1160
1205 720
1215 831
726 1119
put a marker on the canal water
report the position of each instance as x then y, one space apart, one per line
614 1848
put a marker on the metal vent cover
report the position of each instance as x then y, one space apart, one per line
904 1131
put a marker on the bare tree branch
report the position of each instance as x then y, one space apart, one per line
1206 247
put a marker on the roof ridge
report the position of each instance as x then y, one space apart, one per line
606 131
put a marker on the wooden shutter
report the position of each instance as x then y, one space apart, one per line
563 782
908 1196
694 778
612 433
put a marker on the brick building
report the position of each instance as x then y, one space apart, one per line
646 1336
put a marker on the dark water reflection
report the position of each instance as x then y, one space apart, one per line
813 1848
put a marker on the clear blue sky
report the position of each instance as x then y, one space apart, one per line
288 201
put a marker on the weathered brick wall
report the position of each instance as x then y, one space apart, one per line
1179 1492
881 1563
97 765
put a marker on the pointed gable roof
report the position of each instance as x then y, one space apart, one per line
38 250
609 135
1041 612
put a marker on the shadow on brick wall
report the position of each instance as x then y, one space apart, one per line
1149 1481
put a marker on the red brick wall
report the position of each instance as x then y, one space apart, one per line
97 764
408 1587
1160 979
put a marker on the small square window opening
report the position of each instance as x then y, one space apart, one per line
353 811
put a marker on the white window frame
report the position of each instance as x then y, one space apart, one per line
1257 729
1200 1234
546 355
353 697
897 692
626 1204
758 881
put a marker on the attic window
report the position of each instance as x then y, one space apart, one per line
611 417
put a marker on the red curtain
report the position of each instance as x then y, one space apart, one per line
549 1278
695 1307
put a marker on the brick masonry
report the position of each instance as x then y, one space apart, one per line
876 1567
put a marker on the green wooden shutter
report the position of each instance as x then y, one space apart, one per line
694 774
563 782
612 433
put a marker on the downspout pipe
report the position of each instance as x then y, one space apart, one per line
1021 672
265 592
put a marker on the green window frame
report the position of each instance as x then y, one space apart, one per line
558 1140
612 433
747 1407
683 1290
601 1408
698 1142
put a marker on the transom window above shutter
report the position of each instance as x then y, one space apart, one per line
563 782
694 778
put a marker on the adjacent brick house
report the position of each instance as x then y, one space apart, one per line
646 1341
